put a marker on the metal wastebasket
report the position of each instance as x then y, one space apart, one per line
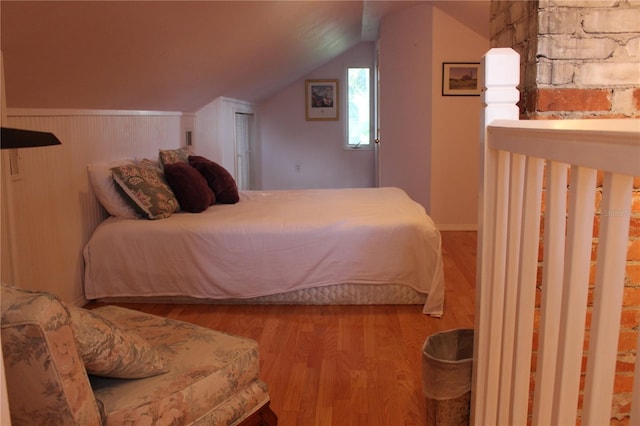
447 358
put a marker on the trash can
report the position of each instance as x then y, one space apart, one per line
447 358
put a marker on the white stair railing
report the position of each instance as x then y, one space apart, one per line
515 157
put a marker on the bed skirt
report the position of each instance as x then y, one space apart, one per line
343 294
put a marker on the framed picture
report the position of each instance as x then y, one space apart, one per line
321 99
461 79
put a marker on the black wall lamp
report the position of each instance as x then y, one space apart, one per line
18 138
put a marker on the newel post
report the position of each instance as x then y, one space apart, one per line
500 78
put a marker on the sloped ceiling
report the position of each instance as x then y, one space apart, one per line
180 55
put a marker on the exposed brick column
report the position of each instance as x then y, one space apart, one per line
514 24
580 58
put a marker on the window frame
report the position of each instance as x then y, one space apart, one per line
370 145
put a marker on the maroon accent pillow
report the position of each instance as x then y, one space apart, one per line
219 179
190 188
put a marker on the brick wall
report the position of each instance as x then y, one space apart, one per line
581 59
515 24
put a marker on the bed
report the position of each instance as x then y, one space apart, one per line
369 245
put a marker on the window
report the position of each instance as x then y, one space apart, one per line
358 108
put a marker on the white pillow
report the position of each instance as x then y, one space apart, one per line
101 179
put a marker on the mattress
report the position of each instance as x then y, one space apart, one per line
272 245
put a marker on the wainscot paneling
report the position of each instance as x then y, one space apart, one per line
53 210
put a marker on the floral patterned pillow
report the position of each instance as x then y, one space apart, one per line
108 350
147 190
148 162
171 156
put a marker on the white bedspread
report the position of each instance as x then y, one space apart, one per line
271 242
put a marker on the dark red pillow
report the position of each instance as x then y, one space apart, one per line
191 189
219 179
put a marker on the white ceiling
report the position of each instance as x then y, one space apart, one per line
180 55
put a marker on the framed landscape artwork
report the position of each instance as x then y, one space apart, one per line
321 99
461 79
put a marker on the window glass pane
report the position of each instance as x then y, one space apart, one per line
359 106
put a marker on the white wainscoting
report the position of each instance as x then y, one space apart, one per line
52 207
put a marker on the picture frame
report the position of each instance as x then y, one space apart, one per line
461 79
321 99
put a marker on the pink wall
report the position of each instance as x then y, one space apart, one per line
429 143
455 130
296 153
405 101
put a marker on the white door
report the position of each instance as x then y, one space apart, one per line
244 146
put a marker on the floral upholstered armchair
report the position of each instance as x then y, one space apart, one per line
71 366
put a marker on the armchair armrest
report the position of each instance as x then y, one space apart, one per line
46 378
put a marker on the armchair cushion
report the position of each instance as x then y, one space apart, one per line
212 377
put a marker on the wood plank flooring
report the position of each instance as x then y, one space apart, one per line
345 365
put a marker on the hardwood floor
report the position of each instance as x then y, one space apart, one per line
345 365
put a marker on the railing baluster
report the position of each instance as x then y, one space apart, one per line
496 316
515 200
574 295
552 273
607 303
526 291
